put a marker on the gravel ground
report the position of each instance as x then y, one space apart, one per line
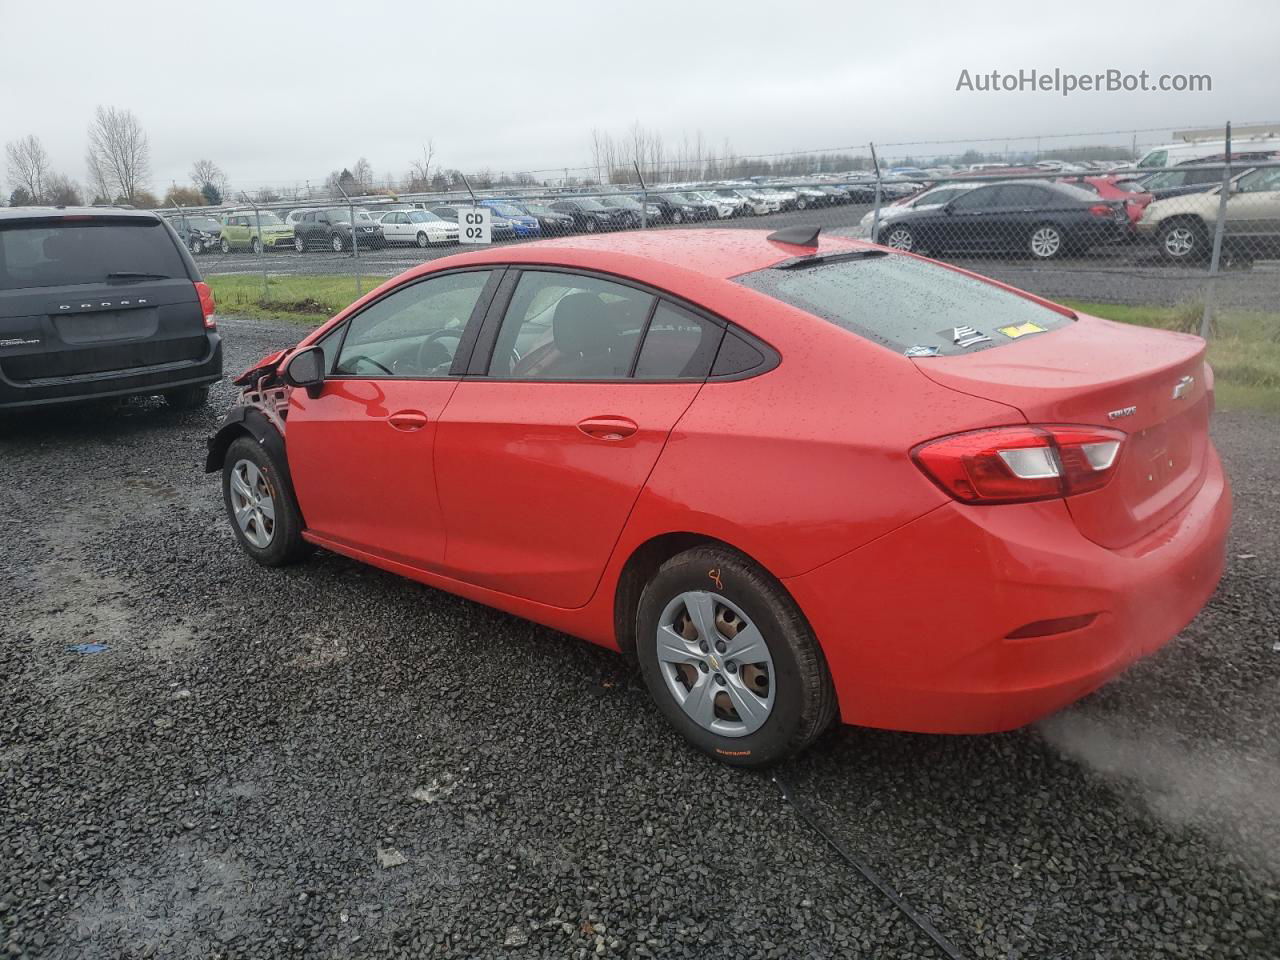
1120 274
328 761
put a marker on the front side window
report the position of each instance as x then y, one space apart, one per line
1156 158
413 332
1259 181
562 326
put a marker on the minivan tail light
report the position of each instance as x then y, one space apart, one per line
1021 464
206 304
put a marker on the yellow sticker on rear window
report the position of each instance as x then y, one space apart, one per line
1017 330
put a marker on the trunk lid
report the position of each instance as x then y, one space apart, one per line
1151 384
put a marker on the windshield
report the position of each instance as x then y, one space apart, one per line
505 209
587 203
538 210
45 253
906 304
198 223
264 217
338 215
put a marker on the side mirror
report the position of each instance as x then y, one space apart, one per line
305 369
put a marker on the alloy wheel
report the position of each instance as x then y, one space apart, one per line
900 238
716 663
253 504
299 244
1045 242
336 243
422 239
1179 241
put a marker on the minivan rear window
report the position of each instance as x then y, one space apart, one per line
52 253
908 305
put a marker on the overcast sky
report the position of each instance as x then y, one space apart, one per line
281 92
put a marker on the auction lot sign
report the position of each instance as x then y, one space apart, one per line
475 225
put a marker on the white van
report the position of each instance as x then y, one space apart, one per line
1247 143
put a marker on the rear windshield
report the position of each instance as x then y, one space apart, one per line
53 254
908 305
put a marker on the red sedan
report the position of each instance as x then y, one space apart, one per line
1116 189
796 478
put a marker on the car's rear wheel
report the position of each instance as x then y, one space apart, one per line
187 398
422 239
802 203
590 226
197 247
1183 239
336 243
299 244
1045 242
899 237
255 245
677 217
226 245
261 508
730 659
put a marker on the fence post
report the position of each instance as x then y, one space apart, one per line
1206 319
644 197
355 242
875 216
262 247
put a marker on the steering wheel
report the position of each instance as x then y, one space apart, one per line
431 341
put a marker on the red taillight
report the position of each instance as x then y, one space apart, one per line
206 304
1020 464
1101 210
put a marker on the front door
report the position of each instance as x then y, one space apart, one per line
360 453
541 457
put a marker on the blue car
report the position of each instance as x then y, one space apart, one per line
523 224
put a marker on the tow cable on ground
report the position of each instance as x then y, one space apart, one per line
863 868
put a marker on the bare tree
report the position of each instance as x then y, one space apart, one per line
62 191
28 166
206 173
421 168
363 174
119 156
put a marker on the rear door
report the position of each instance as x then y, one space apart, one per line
542 454
967 224
360 453
84 295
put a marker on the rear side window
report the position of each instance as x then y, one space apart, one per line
59 253
677 345
908 305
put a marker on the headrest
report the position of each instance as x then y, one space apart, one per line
583 324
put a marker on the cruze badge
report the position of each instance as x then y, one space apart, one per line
1122 412
1183 387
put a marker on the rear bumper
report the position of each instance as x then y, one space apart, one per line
915 625
116 383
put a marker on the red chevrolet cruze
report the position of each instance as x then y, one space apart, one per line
797 478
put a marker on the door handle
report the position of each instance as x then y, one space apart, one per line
408 420
608 428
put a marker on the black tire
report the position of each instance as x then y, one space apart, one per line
299 244
337 243
187 398
225 244
256 245
804 698
422 239
286 544
1183 239
590 225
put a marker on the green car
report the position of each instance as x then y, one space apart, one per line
240 230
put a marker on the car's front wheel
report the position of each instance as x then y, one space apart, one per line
261 508
197 247
899 237
730 659
226 245
299 244
423 240
255 245
336 243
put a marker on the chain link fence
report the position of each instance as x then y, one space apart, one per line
1202 235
